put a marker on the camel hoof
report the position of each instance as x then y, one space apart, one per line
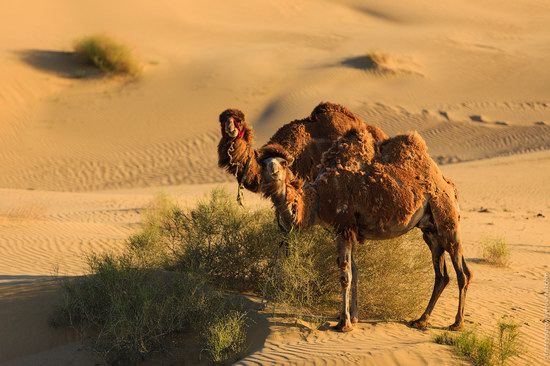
419 324
456 326
354 320
344 326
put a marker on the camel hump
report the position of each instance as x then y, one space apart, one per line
350 151
325 108
403 147
377 133
329 120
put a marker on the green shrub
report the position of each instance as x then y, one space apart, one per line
129 310
479 349
395 277
446 338
107 55
225 337
495 251
168 278
233 246
509 340
484 350
303 272
242 249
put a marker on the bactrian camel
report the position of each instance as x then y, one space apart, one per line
366 190
304 140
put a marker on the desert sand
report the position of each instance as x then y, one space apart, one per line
82 156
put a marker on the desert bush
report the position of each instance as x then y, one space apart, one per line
303 272
169 278
496 251
244 250
231 245
508 340
395 276
155 244
446 338
486 350
480 349
225 337
107 55
129 310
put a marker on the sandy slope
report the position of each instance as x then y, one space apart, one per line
81 157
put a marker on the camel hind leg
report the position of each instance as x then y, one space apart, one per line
463 278
446 219
441 277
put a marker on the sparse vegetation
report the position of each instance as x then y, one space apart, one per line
180 264
509 342
128 309
396 277
376 61
382 64
496 251
485 350
107 55
225 337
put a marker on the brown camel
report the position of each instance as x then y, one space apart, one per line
304 140
373 191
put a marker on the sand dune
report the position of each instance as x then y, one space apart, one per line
83 155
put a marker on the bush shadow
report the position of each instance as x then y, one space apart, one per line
60 63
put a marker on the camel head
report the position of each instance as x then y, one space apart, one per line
280 184
274 172
275 164
232 123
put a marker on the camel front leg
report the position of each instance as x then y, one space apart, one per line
344 248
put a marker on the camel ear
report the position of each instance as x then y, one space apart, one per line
290 160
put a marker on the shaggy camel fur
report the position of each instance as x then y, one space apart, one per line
304 142
365 191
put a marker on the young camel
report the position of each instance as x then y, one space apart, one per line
373 191
305 141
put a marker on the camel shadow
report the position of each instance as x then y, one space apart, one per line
59 63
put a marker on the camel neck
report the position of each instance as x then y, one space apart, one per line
296 206
238 157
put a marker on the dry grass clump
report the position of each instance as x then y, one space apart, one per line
383 65
107 55
396 277
225 337
509 342
373 62
496 251
302 272
128 310
485 350
376 61
217 239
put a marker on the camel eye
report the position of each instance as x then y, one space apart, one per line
284 163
